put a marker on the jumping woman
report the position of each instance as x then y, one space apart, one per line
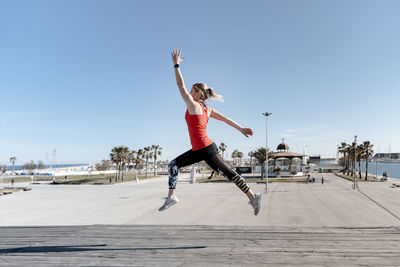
203 148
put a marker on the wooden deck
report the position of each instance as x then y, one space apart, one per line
135 245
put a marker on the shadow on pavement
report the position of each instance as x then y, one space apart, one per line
46 249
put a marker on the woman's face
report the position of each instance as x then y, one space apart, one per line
196 94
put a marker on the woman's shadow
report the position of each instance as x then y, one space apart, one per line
49 249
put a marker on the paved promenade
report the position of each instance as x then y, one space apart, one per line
299 224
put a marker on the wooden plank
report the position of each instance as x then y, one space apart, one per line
125 245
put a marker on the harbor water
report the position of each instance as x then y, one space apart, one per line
392 169
56 166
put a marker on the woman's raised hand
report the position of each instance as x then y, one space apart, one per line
176 56
246 131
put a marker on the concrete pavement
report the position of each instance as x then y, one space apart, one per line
333 204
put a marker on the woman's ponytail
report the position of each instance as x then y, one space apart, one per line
207 93
212 94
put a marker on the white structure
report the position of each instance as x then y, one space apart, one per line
306 157
287 163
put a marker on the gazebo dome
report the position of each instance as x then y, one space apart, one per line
282 147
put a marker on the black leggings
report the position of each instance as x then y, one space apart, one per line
210 155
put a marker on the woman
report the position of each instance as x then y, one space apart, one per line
203 148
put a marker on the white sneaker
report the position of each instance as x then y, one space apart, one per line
256 203
169 201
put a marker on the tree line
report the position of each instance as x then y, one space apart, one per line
27 166
32 165
123 156
259 154
353 154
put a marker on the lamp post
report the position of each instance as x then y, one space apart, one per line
266 114
54 157
54 165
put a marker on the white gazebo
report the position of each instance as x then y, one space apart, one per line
286 163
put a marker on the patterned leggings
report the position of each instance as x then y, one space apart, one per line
210 155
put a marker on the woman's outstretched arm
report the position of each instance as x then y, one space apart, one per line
218 116
177 59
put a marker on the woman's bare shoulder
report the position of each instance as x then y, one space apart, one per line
195 108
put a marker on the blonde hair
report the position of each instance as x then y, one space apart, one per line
207 93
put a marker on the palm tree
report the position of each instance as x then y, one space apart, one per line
147 155
259 155
350 158
343 150
251 155
156 152
115 158
29 166
368 152
13 160
151 154
120 156
347 159
235 155
3 168
222 147
126 160
240 156
360 152
41 165
137 157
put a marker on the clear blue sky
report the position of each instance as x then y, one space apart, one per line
85 76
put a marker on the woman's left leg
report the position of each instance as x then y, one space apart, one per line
218 164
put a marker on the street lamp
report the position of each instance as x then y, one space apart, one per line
266 114
54 165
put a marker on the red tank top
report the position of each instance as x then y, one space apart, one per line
197 125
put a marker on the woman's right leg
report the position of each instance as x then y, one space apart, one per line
188 158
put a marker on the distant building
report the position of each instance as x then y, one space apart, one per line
315 159
328 161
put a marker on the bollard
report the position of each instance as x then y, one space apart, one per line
193 175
